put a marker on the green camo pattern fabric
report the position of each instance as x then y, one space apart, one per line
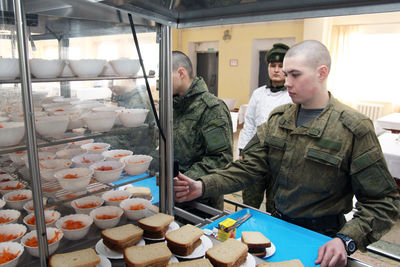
313 178
203 136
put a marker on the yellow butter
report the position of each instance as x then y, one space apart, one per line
223 234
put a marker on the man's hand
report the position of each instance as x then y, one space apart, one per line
186 189
332 254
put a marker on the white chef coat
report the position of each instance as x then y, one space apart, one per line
262 102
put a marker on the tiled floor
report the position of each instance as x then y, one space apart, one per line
389 242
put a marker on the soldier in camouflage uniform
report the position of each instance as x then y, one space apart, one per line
318 153
203 136
140 140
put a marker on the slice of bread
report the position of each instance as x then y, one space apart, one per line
140 192
192 263
80 258
291 263
157 234
230 253
156 254
120 237
255 240
156 222
184 236
184 250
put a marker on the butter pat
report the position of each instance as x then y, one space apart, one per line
226 229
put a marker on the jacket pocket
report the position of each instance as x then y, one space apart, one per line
276 148
322 170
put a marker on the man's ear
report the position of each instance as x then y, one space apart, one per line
323 73
182 72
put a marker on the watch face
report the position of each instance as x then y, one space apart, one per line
352 247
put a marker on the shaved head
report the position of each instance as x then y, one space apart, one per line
313 52
179 59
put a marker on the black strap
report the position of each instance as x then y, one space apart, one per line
327 225
145 76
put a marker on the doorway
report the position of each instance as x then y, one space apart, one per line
207 67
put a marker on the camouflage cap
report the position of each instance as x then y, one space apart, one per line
276 53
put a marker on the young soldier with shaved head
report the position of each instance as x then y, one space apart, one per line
318 153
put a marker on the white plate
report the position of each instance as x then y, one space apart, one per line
270 251
250 261
172 226
104 262
173 259
103 250
200 251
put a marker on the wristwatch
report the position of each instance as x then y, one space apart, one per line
349 243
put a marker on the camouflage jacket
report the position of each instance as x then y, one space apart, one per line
202 131
317 168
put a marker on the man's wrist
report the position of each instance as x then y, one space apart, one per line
349 244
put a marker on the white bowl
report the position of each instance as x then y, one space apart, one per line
108 210
67 72
54 148
87 68
107 176
78 144
14 248
78 204
62 111
2 203
135 214
51 232
136 164
116 154
86 160
42 156
17 204
15 229
51 216
96 148
4 119
28 206
6 178
108 109
115 194
69 153
133 117
51 126
13 215
43 68
125 66
108 70
10 186
9 68
11 133
74 184
49 167
77 233
100 121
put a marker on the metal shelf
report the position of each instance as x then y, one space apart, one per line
73 137
78 79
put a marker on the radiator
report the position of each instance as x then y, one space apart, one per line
372 111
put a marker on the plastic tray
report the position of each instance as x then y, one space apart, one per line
291 241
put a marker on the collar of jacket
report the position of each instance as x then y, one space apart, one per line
197 87
316 127
275 89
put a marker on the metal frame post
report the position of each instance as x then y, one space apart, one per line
166 111
26 89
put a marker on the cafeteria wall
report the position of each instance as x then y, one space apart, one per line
234 81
